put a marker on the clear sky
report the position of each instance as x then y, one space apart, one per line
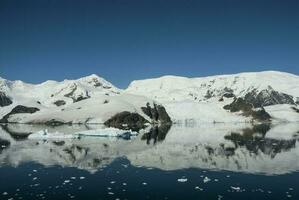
124 40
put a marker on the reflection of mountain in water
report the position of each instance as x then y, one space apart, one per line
253 139
156 133
235 147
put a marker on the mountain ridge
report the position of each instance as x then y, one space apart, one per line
218 98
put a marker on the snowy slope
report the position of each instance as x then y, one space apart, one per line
92 99
199 98
89 99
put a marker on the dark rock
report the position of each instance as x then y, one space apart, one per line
59 102
4 100
260 115
228 95
59 143
209 94
268 97
157 113
127 120
54 122
239 104
221 99
295 109
80 98
18 109
106 101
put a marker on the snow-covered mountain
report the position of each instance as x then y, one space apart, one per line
90 99
245 97
202 99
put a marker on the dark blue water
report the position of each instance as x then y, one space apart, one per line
120 180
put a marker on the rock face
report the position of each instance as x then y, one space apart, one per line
268 97
19 109
157 113
127 120
239 104
4 100
59 103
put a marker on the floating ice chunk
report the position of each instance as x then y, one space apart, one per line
35 178
4 193
144 183
112 182
108 132
235 188
124 183
67 181
198 188
182 180
82 177
206 179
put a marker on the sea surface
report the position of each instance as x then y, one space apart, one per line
184 161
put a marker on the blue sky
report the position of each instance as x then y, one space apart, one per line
124 40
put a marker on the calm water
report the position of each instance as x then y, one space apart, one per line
220 161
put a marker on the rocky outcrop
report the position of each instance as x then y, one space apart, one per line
239 104
295 109
268 97
18 109
59 103
4 100
54 122
157 113
127 120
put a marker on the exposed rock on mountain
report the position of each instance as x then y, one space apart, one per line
127 120
156 113
17 110
4 100
59 103
202 99
239 104
268 97
168 99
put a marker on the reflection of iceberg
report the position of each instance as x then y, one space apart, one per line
104 132
234 147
